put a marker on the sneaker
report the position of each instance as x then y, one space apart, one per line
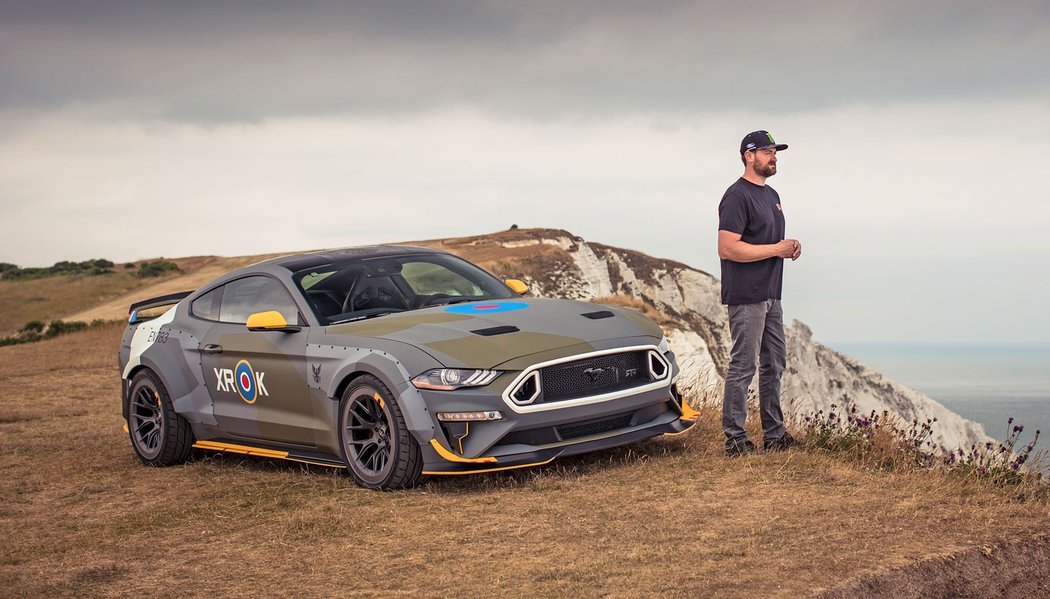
780 444
739 448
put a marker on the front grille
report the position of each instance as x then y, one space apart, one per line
593 376
594 427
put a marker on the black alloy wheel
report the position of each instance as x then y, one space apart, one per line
377 447
159 436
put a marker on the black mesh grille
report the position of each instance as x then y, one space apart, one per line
593 376
594 427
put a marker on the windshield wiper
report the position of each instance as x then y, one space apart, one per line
458 300
366 316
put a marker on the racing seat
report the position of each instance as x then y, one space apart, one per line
378 292
325 304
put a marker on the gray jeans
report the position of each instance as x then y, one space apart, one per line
758 335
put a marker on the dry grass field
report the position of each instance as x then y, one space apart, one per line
80 516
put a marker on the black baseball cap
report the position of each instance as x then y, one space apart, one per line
756 140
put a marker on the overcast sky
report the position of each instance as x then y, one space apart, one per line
914 177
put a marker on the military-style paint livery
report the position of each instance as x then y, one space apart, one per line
395 362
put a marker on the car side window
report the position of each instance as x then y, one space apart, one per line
244 297
207 305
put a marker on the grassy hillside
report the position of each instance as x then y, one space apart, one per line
80 516
105 297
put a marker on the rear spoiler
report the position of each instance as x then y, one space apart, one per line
154 302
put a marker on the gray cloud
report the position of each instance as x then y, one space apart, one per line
215 62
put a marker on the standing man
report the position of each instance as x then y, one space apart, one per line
752 247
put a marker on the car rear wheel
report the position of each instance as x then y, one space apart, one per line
377 447
159 436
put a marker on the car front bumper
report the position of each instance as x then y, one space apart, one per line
523 440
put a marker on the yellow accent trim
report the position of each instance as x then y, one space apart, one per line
448 455
379 398
432 473
680 432
267 320
689 413
242 449
517 286
126 427
460 439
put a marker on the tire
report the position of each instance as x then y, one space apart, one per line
378 450
159 436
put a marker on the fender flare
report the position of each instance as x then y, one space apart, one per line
388 369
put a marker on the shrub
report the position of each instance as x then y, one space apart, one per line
33 326
95 266
880 441
60 327
996 461
36 330
155 268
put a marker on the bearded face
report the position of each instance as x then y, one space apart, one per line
765 164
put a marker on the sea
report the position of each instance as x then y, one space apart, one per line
982 382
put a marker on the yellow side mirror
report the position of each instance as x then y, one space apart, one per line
270 321
517 286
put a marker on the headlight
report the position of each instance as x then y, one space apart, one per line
664 346
448 379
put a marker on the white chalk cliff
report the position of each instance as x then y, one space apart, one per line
816 377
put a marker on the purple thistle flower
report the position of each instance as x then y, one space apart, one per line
1010 420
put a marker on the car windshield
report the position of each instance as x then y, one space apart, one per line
360 288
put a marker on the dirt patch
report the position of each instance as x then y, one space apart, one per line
1020 570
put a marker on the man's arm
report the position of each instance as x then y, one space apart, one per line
730 247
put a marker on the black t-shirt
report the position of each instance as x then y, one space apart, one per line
755 213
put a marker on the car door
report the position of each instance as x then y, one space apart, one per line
257 379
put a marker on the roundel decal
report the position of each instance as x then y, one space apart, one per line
486 308
245 381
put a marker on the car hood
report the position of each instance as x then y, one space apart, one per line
489 333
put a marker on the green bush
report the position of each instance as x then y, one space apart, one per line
61 327
93 267
155 268
36 330
33 326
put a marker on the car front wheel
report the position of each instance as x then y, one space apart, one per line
377 447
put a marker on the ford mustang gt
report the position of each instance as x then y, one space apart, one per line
393 362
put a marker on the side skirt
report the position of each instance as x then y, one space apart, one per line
262 452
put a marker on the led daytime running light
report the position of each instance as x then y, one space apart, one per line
469 416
